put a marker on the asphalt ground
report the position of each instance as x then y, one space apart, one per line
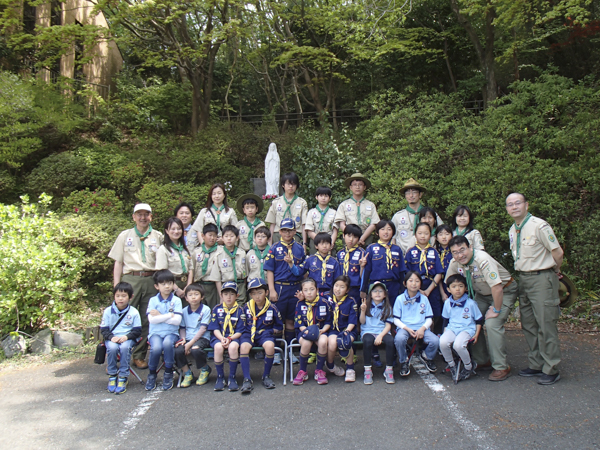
66 406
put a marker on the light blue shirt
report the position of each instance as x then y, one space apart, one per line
412 311
374 324
131 320
172 304
461 315
193 320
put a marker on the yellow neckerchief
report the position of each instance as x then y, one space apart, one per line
388 253
323 266
252 308
423 258
289 248
227 322
309 311
336 311
347 259
443 254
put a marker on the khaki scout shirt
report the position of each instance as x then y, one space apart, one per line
485 272
298 211
166 259
206 216
127 249
314 217
254 263
198 256
404 223
348 212
244 230
537 242
223 268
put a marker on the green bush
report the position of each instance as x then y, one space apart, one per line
100 201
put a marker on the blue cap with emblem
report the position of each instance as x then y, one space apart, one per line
287 224
255 283
311 333
229 285
344 343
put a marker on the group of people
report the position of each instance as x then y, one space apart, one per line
228 284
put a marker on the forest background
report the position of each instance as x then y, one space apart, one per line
473 98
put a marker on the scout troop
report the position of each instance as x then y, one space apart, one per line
234 284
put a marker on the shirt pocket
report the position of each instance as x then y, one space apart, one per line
528 245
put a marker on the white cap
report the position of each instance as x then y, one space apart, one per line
142 207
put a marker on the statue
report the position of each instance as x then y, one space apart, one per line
272 171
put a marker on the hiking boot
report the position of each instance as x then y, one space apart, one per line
321 377
187 379
548 379
405 369
301 377
233 386
151 382
368 378
121 386
112 384
203 376
168 381
247 386
388 374
350 376
268 383
220 384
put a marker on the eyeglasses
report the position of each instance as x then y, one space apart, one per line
411 191
519 203
460 251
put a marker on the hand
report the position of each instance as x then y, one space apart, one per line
273 297
299 295
363 305
361 242
225 342
425 293
188 347
115 339
378 340
444 296
363 261
490 314
420 333
220 241
475 338
288 260
179 342
411 332
154 312
363 295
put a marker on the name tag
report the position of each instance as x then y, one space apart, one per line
323 309
329 266
356 257
298 206
369 208
431 254
395 254
270 314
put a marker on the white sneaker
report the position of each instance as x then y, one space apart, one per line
337 370
350 376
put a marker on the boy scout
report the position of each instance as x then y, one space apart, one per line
249 205
255 258
407 219
134 253
357 209
204 259
495 292
321 219
230 263
538 258
288 206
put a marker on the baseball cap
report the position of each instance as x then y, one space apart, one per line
229 285
287 224
142 207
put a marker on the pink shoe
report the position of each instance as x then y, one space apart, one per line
301 377
320 377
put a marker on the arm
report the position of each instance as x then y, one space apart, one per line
421 331
334 234
134 334
117 272
311 234
272 229
434 284
443 292
386 330
477 331
175 320
497 295
160 318
271 283
558 256
367 233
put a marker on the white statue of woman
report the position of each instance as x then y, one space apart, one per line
272 171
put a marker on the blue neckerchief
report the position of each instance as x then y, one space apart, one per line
115 309
412 300
460 302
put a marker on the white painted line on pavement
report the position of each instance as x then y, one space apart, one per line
475 433
136 415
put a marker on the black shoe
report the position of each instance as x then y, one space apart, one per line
453 373
233 386
405 369
465 374
530 373
429 364
548 379
268 383
247 386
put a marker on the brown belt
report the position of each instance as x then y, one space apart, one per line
508 284
141 274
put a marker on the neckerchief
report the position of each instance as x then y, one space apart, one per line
323 266
460 302
143 237
255 316
518 228
357 207
262 254
289 205
388 253
416 213
347 259
336 311
227 322
413 299
443 254
459 233
180 249
469 280
218 218
309 311
423 258
289 249
232 256
207 252
251 230
322 216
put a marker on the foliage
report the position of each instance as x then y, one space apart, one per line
39 277
100 201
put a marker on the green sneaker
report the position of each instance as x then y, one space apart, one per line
203 377
312 358
187 379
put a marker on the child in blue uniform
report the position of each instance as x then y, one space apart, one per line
121 328
263 323
463 321
164 316
425 260
313 322
195 336
351 259
376 320
443 236
413 317
385 262
283 284
227 324
343 329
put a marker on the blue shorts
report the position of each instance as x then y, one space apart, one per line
214 341
286 300
259 339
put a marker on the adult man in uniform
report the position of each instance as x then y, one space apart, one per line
495 292
134 253
407 219
538 258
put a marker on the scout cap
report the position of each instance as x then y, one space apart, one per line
245 197
412 184
357 176
232 285
255 283
567 292
344 343
311 333
142 207
287 224
377 283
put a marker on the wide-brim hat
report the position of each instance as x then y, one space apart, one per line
567 292
357 176
412 184
245 197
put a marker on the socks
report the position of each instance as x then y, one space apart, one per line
320 361
303 361
245 362
468 366
289 335
268 365
220 371
233 363
368 369
350 366
330 365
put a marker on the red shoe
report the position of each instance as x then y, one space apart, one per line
320 377
301 377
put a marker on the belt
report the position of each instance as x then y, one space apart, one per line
386 281
509 282
183 278
534 272
241 280
287 284
205 282
140 274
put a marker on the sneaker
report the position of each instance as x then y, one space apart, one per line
301 377
368 379
168 381
377 361
247 386
343 360
112 384
294 360
312 358
350 376
233 386
355 359
151 382
388 374
220 384
548 379
337 371
121 386
453 373
321 377
405 369
203 376
530 373
428 363
260 356
277 359
187 379
268 383
465 374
